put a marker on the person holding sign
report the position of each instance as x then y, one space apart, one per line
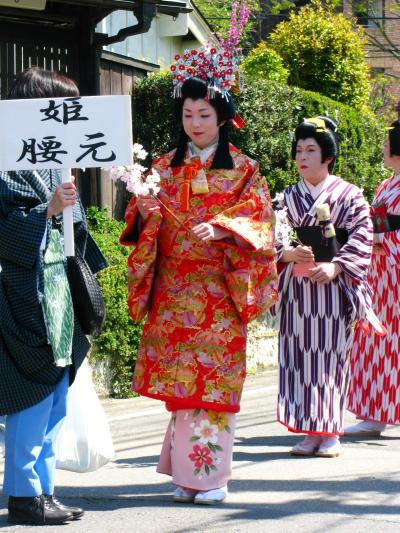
42 345
322 290
202 267
374 393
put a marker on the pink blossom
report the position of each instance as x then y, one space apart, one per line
216 291
225 323
133 175
234 398
186 245
206 432
167 315
189 318
216 394
180 390
152 354
159 388
227 185
241 12
206 360
200 456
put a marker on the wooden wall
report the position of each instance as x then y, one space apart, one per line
117 76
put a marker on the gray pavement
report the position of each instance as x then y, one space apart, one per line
270 490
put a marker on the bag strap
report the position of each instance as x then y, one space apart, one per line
54 218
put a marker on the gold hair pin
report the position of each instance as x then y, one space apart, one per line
319 123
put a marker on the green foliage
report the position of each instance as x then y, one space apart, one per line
271 111
264 62
154 123
217 13
324 51
120 337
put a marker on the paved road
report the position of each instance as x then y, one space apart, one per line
270 491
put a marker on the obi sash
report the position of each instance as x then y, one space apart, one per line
382 220
324 249
393 223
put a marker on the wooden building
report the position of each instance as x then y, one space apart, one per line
63 35
123 63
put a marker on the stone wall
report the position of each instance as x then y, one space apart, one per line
262 352
262 343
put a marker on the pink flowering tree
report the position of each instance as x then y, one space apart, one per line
227 19
240 15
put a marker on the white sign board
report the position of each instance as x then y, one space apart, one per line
93 131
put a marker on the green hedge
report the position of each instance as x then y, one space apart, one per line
120 337
272 111
263 62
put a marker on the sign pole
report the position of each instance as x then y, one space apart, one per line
69 243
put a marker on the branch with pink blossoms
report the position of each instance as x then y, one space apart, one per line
241 12
138 183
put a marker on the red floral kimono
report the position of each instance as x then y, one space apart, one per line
198 296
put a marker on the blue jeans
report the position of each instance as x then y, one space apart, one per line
30 461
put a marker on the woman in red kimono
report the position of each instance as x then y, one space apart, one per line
374 394
201 269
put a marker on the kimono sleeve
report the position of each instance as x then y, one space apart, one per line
355 256
250 272
142 259
23 221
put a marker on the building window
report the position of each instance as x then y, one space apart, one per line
369 14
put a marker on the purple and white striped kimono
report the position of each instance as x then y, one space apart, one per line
316 321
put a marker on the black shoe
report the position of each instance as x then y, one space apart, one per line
35 511
77 512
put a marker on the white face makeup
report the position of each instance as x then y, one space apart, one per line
200 122
309 161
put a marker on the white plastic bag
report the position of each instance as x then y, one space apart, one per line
84 442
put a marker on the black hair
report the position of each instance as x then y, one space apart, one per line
394 138
37 82
196 88
328 140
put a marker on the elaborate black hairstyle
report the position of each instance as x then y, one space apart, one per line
37 82
394 138
196 88
323 130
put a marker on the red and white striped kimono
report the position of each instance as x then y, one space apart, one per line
316 320
374 392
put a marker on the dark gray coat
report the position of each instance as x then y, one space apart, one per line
27 370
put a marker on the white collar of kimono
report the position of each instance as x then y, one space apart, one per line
316 190
203 153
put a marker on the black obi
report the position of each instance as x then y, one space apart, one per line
392 223
324 249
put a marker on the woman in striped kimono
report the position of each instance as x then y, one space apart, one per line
374 394
322 290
